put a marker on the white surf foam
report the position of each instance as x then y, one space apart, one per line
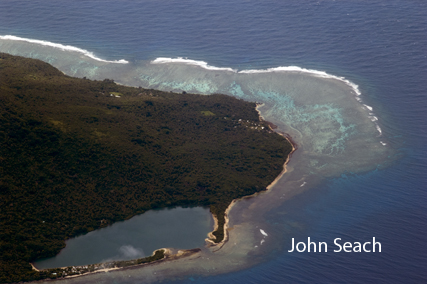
62 47
321 74
263 232
373 117
368 107
203 64
317 73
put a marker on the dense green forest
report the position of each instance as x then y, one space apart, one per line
77 155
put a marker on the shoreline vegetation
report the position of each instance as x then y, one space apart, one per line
158 256
80 155
211 237
82 270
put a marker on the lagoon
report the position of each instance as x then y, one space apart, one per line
136 238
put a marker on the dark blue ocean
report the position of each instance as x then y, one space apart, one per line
380 45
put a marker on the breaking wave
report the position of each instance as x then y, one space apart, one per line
316 73
62 47
141 75
202 64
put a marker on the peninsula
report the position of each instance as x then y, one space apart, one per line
78 155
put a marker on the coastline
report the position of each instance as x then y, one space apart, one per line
114 265
163 254
210 240
171 254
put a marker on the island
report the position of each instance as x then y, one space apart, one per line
77 155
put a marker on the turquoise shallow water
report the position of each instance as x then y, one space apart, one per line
356 187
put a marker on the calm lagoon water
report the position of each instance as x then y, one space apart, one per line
359 171
182 228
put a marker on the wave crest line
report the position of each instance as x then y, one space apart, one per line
203 64
62 47
317 73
